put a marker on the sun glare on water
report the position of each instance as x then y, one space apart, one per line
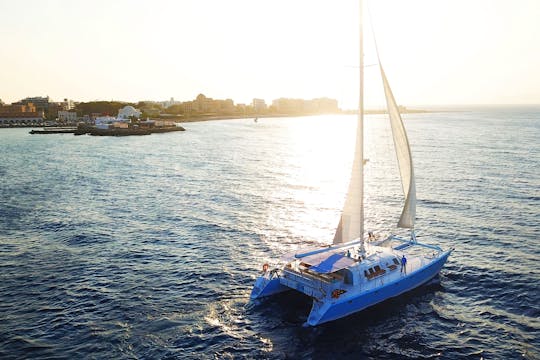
318 163
317 160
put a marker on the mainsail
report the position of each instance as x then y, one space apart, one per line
403 153
351 223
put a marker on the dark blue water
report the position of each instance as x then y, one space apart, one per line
147 247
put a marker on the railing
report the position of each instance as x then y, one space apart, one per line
305 283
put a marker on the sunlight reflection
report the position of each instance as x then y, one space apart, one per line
228 317
316 160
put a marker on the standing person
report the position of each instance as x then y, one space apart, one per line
404 264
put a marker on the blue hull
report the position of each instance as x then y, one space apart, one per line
266 287
324 311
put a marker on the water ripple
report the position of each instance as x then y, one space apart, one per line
147 247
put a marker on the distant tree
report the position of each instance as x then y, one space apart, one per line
175 109
101 107
149 108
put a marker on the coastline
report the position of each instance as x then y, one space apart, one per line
202 118
233 117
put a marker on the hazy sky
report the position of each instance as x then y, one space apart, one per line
434 51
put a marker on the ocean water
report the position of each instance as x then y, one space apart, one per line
147 247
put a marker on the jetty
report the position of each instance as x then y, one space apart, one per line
55 130
82 130
90 130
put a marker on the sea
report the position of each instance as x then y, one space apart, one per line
147 247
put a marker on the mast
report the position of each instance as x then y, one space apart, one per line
361 125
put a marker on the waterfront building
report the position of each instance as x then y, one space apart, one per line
206 105
104 122
259 105
169 103
40 103
127 112
202 104
223 106
69 104
121 121
187 107
164 123
54 108
67 116
49 108
300 106
18 114
325 105
288 106
120 125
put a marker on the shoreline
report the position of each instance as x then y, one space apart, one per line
238 117
232 117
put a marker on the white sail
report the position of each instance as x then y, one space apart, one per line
351 223
403 153
362 274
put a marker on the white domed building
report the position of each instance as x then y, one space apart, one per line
127 112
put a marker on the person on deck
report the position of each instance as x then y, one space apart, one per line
404 264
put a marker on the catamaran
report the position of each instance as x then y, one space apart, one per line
356 272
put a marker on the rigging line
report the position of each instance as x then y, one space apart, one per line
373 33
378 63
383 98
389 144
